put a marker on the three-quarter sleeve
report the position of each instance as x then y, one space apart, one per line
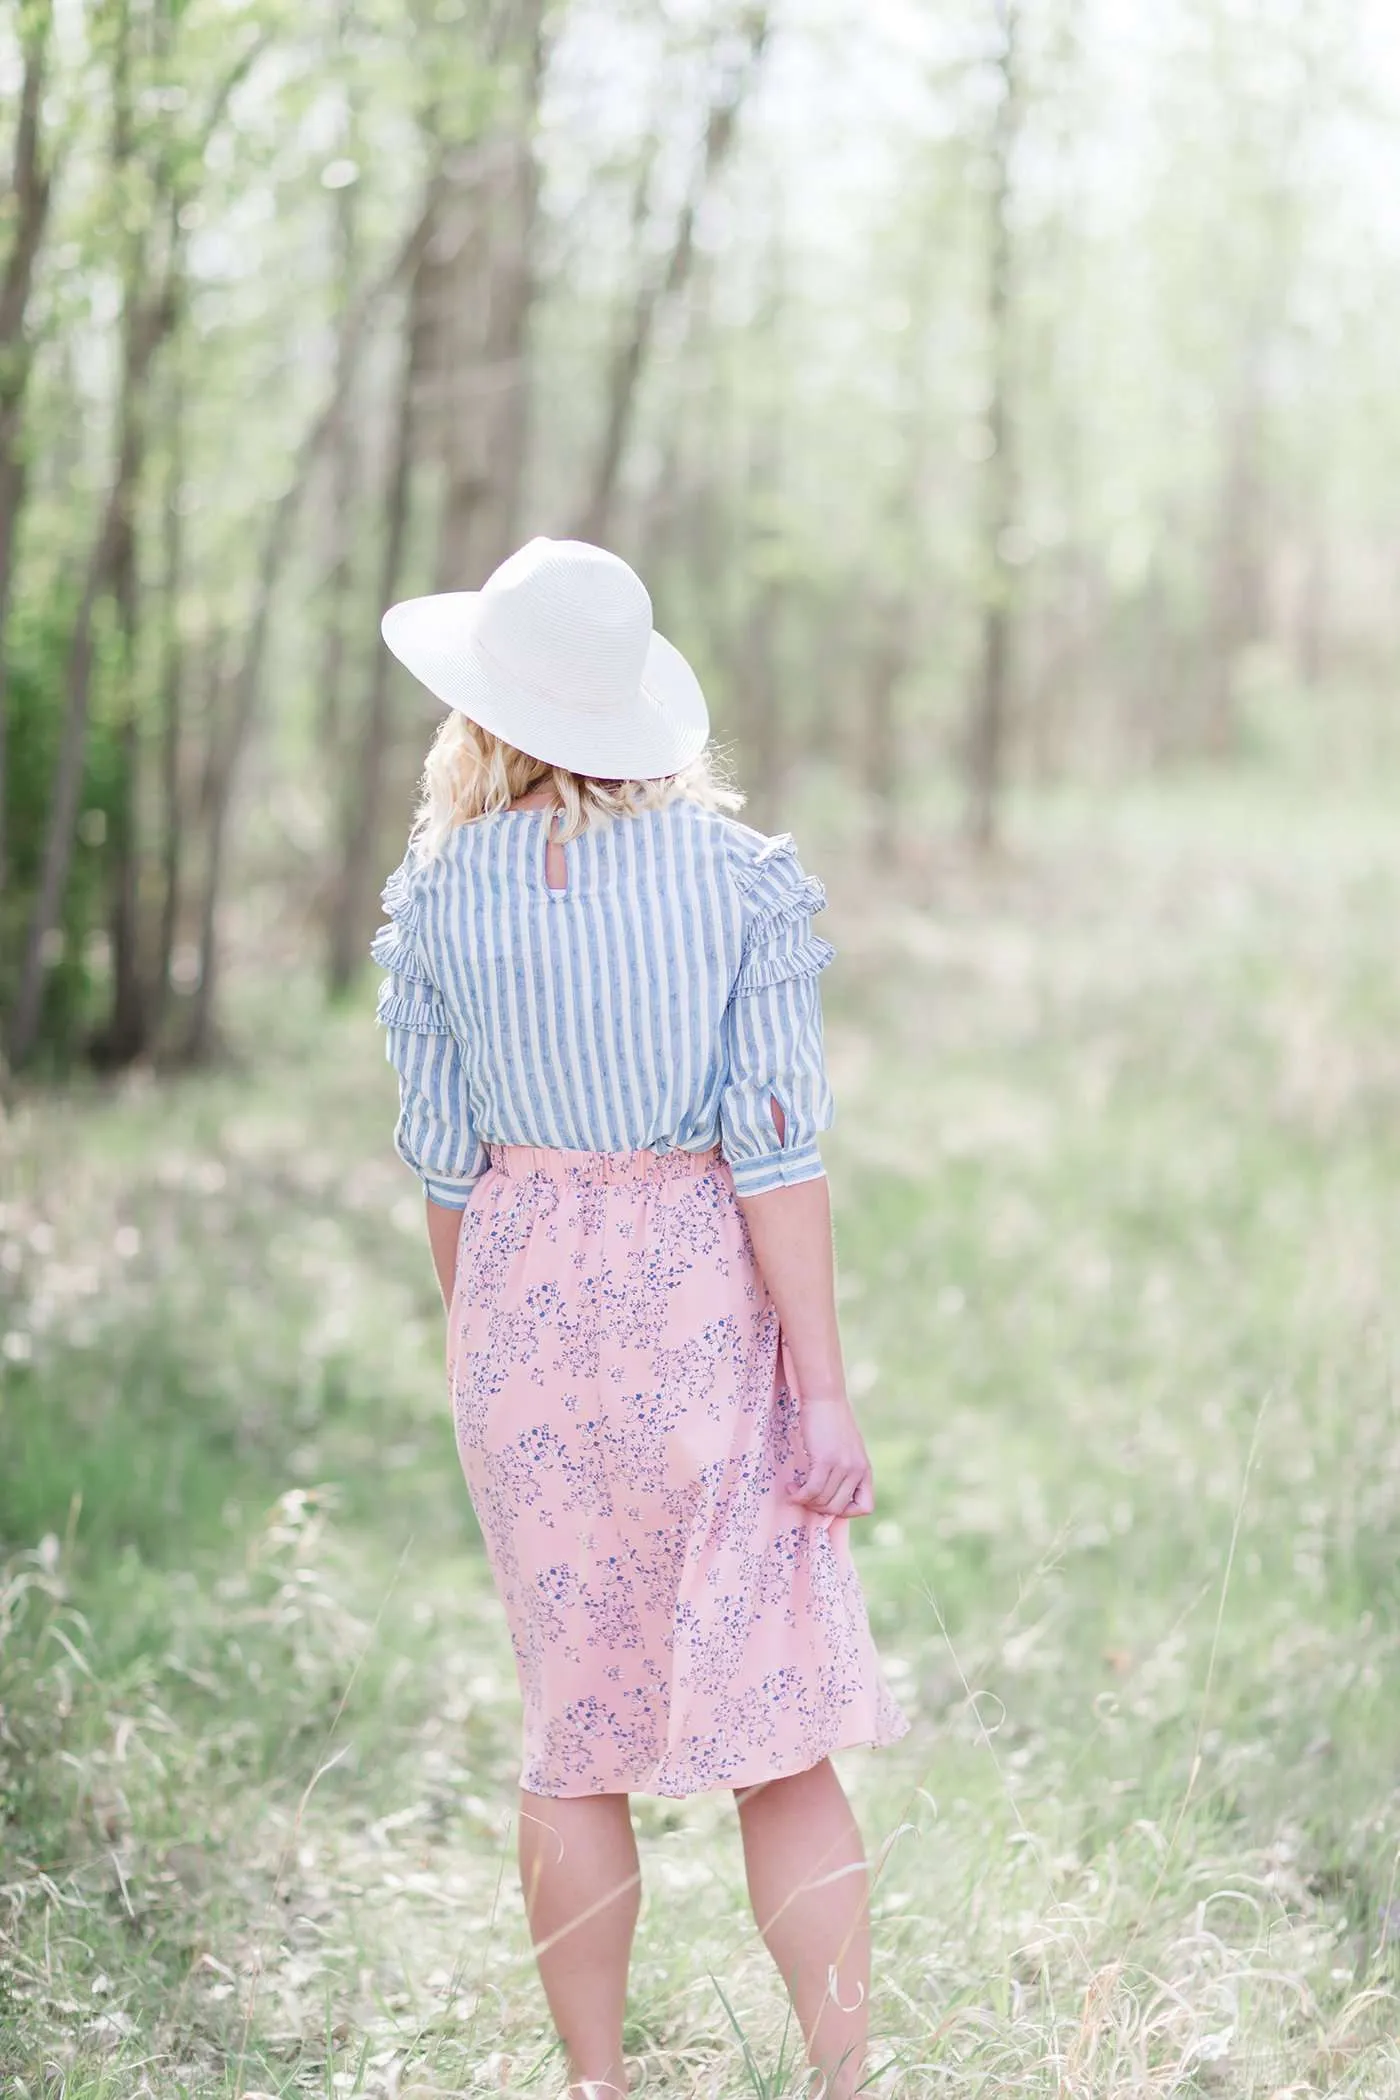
434 1134
773 1028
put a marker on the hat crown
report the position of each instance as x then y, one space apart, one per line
568 620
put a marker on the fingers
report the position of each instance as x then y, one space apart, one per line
837 1491
822 1481
838 1503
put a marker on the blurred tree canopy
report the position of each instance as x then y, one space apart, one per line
988 392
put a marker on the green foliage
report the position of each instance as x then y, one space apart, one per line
1200 432
37 643
1115 1169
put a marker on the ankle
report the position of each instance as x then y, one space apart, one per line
596 2074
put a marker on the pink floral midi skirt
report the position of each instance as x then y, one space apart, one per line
629 1435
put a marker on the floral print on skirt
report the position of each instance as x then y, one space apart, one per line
628 1433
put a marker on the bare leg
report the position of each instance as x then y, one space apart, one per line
811 1898
579 1872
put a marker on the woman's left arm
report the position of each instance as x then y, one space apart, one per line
435 1134
444 1231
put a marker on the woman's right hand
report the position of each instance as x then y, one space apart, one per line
838 1481
790 1228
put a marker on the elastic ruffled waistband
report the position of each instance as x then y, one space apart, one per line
519 1162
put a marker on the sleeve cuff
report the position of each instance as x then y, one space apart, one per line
777 1170
449 1195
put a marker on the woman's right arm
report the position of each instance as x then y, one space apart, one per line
776 1100
791 1232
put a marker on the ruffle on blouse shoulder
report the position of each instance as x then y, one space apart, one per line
780 899
396 947
761 857
805 957
419 1009
775 885
397 895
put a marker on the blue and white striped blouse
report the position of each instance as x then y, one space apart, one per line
663 999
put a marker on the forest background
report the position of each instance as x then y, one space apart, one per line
999 400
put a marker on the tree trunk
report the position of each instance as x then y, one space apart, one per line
458 269
657 291
361 825
760 691
481 296
1312 614
508 350
31 189
246 683
889 661
1236 590
986 752
138 989
216 794
900 599
1052 645
344 464
171 689
147 320
227 745
63 805
764 588
123 1036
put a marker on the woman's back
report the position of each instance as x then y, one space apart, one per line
664 997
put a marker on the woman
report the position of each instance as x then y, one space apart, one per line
602 1004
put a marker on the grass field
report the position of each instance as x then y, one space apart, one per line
1118 1181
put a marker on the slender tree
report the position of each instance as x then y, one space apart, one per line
237 696
352 881
483 294
987 726
658 288
344 458
170 693
31 190
148 315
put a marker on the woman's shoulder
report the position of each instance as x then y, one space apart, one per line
762 869
398 946
418 892
760 864
767 872
777 901
425 870
402 894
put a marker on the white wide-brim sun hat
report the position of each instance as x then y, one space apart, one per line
556 653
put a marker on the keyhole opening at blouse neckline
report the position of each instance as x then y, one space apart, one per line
556 867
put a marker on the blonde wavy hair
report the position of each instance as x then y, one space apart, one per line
470 771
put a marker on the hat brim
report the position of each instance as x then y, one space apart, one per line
657 731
